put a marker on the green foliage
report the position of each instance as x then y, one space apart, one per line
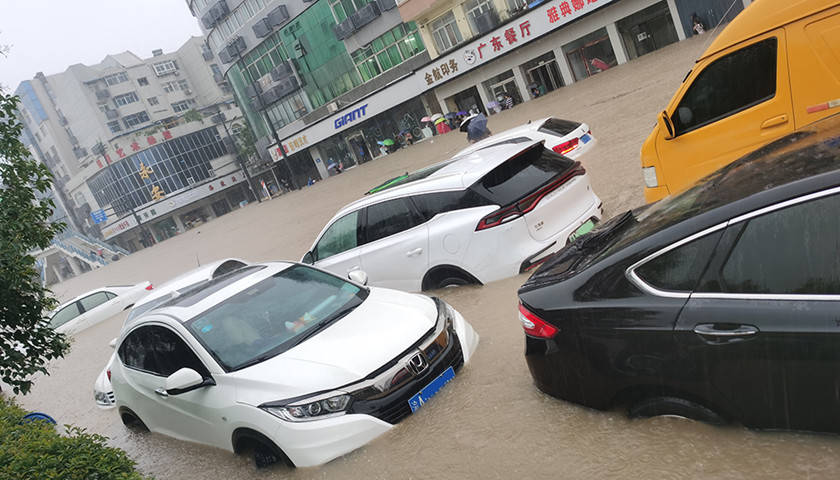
192 116
35 450
27 342
245 141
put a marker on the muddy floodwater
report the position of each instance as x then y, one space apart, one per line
490 422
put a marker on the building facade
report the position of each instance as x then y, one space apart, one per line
325 81
141 149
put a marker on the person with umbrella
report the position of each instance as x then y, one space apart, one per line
440 124
475 127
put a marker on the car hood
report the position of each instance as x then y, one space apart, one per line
385 325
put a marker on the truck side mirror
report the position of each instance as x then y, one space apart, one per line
666 126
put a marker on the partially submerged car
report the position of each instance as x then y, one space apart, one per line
565 137
96 306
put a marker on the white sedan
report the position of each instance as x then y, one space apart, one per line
566 137
96 306
288 361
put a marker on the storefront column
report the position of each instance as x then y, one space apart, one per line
442 103
519 79
482 94
179 224
57 272
320 162
617 44
74 265
563 65
675 17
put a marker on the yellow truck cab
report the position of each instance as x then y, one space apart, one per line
775 68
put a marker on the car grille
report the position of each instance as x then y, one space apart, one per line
112 398
393 407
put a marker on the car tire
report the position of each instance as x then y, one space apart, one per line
132 421
265 452
447 276
680 407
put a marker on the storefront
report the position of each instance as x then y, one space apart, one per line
542 75
500 86
590 54
647 30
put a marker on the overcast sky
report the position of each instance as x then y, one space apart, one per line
50 35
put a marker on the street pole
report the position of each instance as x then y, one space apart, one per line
240 159
270 126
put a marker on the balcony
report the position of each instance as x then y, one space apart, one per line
344 29
278 17
103 95
365 15
112 114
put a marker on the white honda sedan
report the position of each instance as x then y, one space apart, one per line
480 217
566 137
96 306
288 361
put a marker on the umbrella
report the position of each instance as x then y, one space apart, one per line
493 104
380 142
466 122
451 115
425 119
440 120
477 128
436 117
461 113
388 142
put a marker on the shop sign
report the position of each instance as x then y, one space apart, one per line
135 146
295 144
119 226
352 116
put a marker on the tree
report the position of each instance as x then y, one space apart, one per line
27 342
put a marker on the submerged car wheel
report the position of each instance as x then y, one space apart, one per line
132 421
447 276
680 407
265 452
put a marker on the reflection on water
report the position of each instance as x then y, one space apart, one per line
490 422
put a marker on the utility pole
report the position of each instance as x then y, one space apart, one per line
269 125
239 159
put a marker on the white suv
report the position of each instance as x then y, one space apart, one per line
479 217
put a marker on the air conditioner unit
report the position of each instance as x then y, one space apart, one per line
332 107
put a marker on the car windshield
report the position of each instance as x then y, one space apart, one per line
274 315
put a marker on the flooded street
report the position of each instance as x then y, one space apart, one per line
490 422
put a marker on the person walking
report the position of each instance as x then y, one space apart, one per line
508 101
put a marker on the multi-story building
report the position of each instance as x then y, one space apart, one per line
324 81
141 149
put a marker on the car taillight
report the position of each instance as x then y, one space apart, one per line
150 287
528 203
534 325
109 374
566 147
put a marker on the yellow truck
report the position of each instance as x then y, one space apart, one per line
774 69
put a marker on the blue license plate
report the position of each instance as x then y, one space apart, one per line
585 138
431 389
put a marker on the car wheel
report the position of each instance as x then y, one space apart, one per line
452 281
680 407
265 452
447 276
133 422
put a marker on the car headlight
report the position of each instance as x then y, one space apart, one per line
316 410
101 398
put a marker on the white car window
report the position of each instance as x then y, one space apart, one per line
92 301
340 237
65 315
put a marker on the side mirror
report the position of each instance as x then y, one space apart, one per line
308 258
666 126
186 380
358 276
113 343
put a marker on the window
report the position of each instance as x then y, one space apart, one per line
715 94
125 99
388 50
344 8
341 236
135 119
680 268
523 174
183 105
789 251
215 69
183 85
162 68
445 32
143 82
92 301
153 100
116 78
114 126
431 204
65 315
389 218
159 351
480 14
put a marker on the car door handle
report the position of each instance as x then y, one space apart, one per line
775 121
415 252
713 330
161 392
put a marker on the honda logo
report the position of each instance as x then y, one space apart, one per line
418 363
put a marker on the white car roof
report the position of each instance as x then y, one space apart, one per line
457 174
257 273
526 130
200 274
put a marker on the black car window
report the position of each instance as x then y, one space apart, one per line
788 251
556 126
431 204
680 269
728 85
159 351
341 236
388 218
522 174
65 315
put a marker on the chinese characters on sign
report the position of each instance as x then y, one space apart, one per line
443 70
295 144
565 9
145 171
157 193
135 146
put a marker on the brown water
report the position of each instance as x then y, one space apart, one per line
491 422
